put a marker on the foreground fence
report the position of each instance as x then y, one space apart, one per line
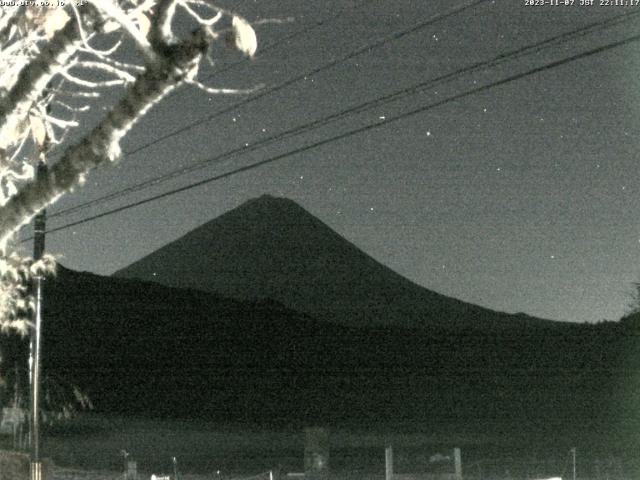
488 469
344 456
441 468
317 462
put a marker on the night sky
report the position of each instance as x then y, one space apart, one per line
521 198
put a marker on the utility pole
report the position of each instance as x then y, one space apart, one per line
39 226
573 454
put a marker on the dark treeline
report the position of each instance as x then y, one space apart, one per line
144 349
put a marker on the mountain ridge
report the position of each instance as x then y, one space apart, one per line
271 247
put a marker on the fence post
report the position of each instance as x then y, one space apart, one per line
388 463
457 458
131 472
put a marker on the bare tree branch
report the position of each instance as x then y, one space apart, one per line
41 50
34 77
102 144
160 34
112 10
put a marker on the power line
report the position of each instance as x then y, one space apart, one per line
355 131
499 59
366 48
303 31
352 54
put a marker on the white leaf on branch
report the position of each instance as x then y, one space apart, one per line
55 21
243 36
38 130
144 24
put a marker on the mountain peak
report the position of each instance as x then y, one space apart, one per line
269 203
268 198
271 247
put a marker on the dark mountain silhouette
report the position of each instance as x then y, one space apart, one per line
272 248
142 348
